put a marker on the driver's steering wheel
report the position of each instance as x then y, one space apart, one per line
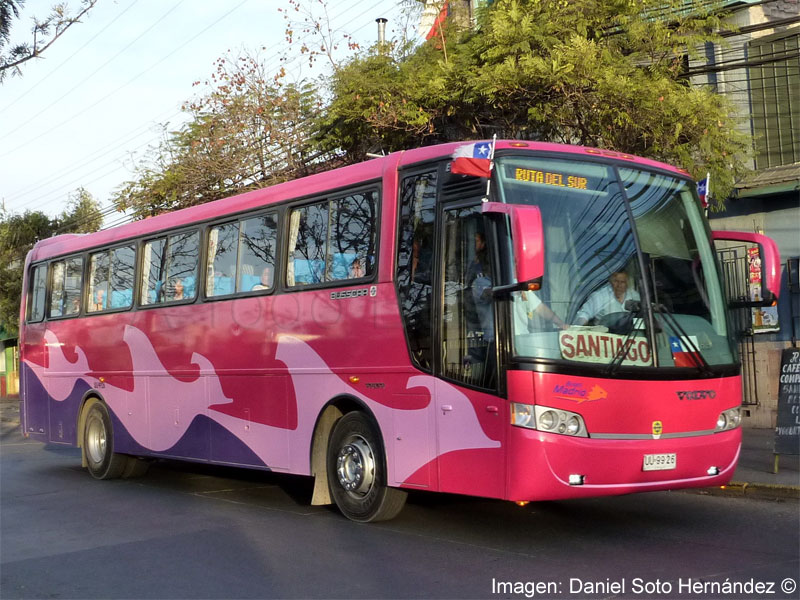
617 322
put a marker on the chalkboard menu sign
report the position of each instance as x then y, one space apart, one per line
787 431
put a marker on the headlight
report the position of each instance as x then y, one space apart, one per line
729 419
547 419
722 422
573 425
522 415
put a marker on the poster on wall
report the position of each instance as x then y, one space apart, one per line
764 318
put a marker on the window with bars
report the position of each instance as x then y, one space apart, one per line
774 75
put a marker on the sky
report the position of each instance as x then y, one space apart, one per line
104 92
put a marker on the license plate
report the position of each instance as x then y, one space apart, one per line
660 462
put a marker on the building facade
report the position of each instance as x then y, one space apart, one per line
758 68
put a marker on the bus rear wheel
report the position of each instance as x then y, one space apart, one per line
98 444
357 471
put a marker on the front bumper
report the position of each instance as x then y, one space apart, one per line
540 464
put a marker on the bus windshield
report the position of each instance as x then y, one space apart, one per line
601 268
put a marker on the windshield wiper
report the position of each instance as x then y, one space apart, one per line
634 308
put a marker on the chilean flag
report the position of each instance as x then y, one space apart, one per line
681 356
702 190
473 159
440 18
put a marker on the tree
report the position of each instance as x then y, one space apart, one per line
601 73
44 32
18 234
82 215
248 130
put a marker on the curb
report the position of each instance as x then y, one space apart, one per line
764 491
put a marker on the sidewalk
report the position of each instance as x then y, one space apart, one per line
753 476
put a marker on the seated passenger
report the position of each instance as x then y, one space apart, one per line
421 257
100 300
479 280
266 279
609 299
357 269
526 305
176 289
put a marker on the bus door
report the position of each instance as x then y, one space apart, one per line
469 423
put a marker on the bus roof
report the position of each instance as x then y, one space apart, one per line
312 185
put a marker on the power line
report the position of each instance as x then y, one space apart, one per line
49 195
100 153
69 58
29 190
104 98
93 73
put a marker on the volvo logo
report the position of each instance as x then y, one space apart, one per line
696 395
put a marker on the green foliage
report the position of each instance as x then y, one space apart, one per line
604 73
591 72
247 131
82 215
44 32
18 234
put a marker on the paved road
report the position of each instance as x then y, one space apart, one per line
196 532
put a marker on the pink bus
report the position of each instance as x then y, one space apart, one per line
556 331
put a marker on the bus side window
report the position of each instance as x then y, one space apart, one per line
333 240
257 250
352 243
415 262
73 286
166 265
308 240
153 271
56 289
123 265
183 260
38 293
98 281
223 248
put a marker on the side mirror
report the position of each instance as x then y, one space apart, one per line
764 264
527 237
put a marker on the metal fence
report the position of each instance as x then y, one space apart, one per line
735 272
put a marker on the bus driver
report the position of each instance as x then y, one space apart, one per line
609 299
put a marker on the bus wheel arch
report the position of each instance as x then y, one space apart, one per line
334 410
95 435
357 472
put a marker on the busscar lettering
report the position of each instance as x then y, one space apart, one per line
349 294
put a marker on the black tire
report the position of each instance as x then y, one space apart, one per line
357 471
135 467
98 444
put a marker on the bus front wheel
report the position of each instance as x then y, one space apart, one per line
98 444
357 471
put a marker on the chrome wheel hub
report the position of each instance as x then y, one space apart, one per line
96 440
355 466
